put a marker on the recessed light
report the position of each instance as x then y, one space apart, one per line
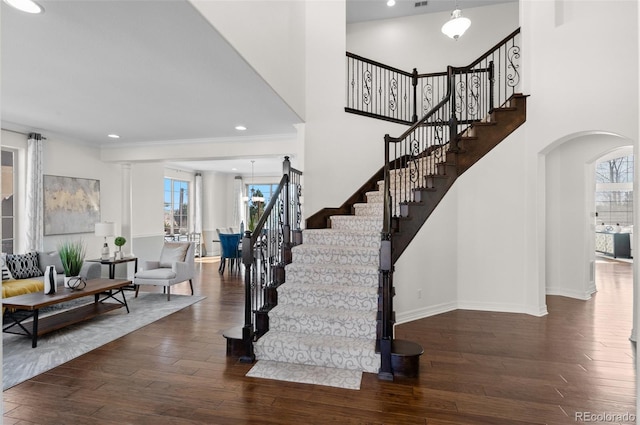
28 6
113 136
234 169
241 127
391 3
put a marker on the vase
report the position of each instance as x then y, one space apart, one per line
50 280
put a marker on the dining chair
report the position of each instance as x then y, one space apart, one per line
231 251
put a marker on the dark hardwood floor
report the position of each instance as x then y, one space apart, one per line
478 368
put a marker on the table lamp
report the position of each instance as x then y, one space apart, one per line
105 229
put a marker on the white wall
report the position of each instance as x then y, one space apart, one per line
576 82
270 36
426 274
417 42
342 151
72 159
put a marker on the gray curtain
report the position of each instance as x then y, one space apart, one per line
34 196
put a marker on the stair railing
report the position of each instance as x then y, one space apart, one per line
380 91
413 159
265 252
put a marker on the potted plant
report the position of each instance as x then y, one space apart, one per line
119 242
72 257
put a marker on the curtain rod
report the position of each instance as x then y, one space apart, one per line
20 132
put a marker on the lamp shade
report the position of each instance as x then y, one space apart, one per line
457 25
105 229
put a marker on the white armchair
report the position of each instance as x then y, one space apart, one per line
176 265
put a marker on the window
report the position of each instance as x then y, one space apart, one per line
614 191
8 178
255 204
176 206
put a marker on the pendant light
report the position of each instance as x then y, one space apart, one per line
254 198
457 25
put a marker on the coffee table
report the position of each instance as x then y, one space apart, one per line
24 307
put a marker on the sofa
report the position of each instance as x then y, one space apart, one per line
24 273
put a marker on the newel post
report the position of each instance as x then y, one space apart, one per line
247 329
385 272
286 219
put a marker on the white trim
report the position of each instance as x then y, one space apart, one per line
564 292
501 308
421 313
235 139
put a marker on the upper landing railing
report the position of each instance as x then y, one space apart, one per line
384 92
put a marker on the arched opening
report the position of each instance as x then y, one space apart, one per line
570 211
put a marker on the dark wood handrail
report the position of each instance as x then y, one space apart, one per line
491 50
263 218
378 64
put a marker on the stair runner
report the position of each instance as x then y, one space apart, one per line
327 308
325 320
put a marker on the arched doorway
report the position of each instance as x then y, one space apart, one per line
570 212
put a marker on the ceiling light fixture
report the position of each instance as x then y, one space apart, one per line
457 25
241 127
28 6
113 136
391 3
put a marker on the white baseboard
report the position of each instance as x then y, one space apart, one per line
422 313
502 308
563 292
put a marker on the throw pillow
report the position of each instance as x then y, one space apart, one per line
172 252
6 273
23 266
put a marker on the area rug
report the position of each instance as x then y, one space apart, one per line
21 362
305 374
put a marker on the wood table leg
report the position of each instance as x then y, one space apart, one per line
34 336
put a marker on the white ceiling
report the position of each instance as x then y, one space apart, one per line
369 10
149 71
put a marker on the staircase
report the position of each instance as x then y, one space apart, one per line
327 311
332 308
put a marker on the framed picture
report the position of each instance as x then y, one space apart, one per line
71 205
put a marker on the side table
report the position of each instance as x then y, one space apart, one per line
111 262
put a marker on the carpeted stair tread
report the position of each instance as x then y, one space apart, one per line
341 238
369 209
375 196
319 350
327 274
328 254
352 222
323 321
363 298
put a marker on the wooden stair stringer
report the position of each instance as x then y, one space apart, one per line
474 144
